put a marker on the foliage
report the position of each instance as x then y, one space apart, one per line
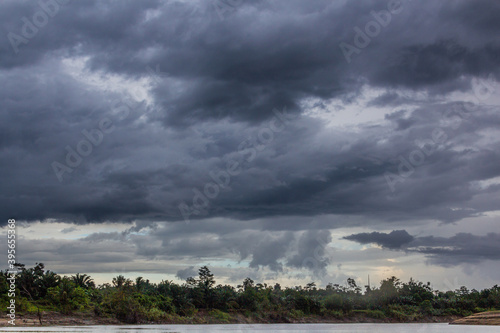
376 314
221 316
67 296
142 301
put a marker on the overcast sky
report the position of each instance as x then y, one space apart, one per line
289 141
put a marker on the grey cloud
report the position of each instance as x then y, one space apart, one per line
185 273
217 85
393 240
438 62
459 249
280 181
69 230
275 251
269 250
390 98
233 69
463 248
310 254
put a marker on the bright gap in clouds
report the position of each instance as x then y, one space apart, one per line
338 113
105 82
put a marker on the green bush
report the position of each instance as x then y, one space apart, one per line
296 314
451 312
219 315
23 305
306 304
124 307
67 297
333 302
465 313
165 304
233 305
397 314
376 314
155 314
333 314
426 307
187 310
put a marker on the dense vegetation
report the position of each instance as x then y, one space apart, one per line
130 301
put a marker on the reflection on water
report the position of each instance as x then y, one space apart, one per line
337 328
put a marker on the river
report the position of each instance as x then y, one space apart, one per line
336 328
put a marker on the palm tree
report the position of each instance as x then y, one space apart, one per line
120 281
83 280
141 284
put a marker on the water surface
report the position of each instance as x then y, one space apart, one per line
337 328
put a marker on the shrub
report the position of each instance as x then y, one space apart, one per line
334 314
376 314
296 314
23 305
219 315
397 314
333 302
451 312
188 310
466 304
233 305
125 308
155 314
67 297
165 304
426 307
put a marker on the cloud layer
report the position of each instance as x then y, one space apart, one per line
445 251
170 111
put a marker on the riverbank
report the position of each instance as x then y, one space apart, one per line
483 318
58 319
87 318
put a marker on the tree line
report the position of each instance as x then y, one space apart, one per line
38 289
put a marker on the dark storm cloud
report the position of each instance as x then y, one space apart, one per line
139 173
440 62
463 248
259 57
393 240
219 80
